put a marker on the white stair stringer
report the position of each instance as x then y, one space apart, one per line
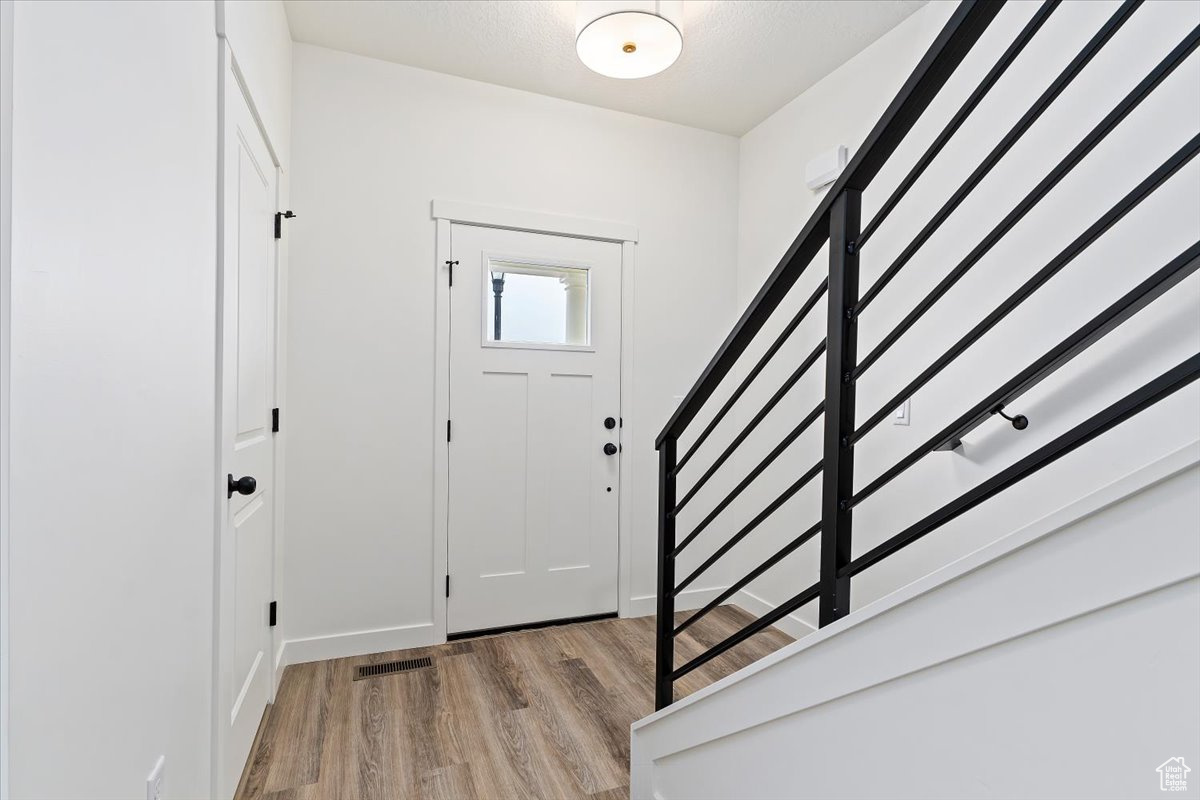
1059 661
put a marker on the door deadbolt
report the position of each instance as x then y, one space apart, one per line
610 423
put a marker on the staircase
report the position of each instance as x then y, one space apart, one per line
691 466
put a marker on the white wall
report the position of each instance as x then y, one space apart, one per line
773 206
114 181
113 373
261 42
373 144
1082 687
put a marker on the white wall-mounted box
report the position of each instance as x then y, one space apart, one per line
824 169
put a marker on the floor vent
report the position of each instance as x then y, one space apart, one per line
391 667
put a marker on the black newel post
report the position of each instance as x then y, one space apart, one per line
664 659
841 355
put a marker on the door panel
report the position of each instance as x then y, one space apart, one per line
498 471
246 545
251 535
568 418
534 371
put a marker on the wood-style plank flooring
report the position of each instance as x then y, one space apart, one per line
537 714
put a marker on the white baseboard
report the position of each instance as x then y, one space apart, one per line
361 643
357 643
691 599
688 600
280 663
754 605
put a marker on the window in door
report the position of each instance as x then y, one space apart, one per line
533 304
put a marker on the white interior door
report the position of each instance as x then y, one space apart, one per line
535 340
246 395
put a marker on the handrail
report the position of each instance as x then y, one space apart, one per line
1126 204
1092 331
1166 384
837 222
953 43
1100 326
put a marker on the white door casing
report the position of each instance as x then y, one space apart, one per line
246 375
533 497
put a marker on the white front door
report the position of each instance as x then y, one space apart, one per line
247 457
535 341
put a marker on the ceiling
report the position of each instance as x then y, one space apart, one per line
742 59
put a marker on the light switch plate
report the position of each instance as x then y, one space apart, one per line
903 414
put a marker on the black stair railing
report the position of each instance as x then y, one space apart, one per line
837 222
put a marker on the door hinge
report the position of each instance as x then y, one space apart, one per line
447 586
450 266
280 216
273 611
274 420
447 430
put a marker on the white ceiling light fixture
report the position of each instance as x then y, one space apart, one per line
628 38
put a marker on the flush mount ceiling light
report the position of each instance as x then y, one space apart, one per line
628 38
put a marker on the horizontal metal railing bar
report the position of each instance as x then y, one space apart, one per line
1084 337
1126 204
754 473
1169 382
788 330
791 381
1060 171
1035 111
758 519
998 69
760 624
955 40
742 582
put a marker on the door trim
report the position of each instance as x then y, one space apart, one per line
6 111
533 221
446 212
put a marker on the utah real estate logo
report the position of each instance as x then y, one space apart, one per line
1172 775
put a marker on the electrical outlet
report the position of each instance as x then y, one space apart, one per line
154 783
903 414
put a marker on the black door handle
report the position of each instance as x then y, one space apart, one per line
610 449
243 485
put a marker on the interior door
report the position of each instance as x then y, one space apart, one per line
247 458
534 427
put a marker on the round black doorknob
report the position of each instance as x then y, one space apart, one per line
243 485
610 449
610 423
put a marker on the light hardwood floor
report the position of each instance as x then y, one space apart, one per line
537 714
